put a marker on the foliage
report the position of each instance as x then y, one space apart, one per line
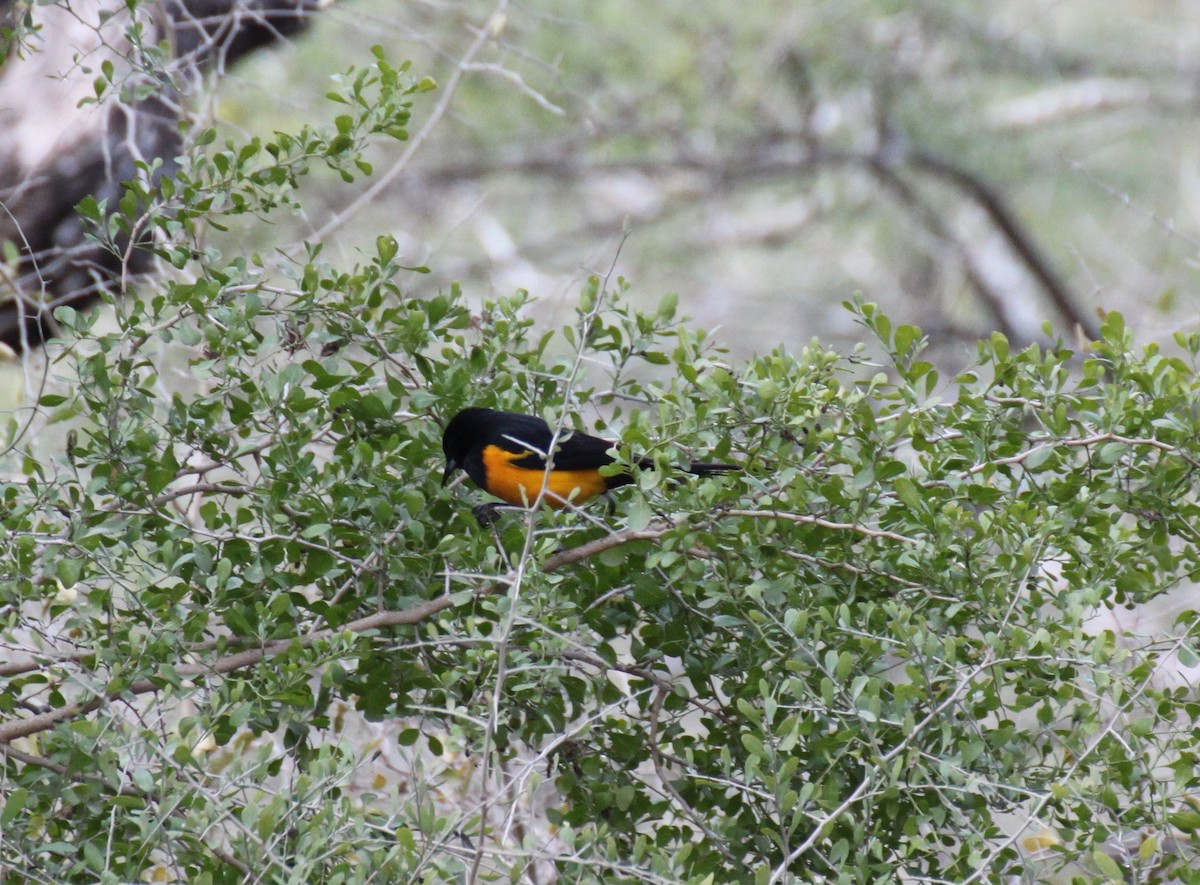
771 157
871 656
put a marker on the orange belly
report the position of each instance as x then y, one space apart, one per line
521 486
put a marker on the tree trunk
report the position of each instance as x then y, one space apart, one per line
58 144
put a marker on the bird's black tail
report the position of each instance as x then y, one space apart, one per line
696 468
702 468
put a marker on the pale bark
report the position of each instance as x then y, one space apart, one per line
58 145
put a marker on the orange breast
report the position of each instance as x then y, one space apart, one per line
520 486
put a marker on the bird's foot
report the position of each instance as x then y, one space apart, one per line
486 514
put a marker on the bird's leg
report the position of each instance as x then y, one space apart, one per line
487 514
612 504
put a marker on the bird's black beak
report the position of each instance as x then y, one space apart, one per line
451 466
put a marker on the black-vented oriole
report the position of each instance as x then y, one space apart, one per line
505 453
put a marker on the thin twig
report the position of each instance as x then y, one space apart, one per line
488 32
715 840
823 523
1082 442
10 731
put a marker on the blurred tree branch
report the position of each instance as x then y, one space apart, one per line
780 155
84 106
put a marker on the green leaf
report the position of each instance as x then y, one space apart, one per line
639 514
1108 867
1148 849
1188 821
14 805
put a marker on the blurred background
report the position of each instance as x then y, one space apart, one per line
971 167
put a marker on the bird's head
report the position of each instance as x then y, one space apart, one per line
466 429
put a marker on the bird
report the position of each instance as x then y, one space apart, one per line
505 453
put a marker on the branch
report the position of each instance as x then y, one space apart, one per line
823 523
931 218
715 840
10 731
773 154
1021 241
600 545
491 28
1084 442
115 789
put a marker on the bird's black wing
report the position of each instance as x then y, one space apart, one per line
580 451
526 433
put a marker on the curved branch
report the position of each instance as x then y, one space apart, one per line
116 790
805 519
600 545
10 731
1015 233
932 221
